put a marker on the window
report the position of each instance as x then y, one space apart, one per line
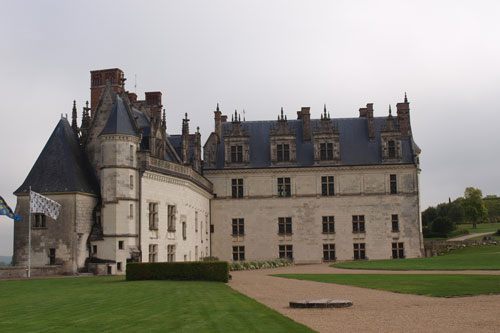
171 217
131 156
40 221
196 221
153 216
131 182
236 154
358 223
238 253
285 225
283 152
359 251
238 227
170 253
196 253
184 234
395 223
392 148
119 266
212 228
284 188
398 250
328 252
286 251
153 253
94 249
120 245
328 224
52 256
131 212
394 184
237 188
326 151
327 186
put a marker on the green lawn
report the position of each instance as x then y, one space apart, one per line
100 304
470 258
437 285
480 227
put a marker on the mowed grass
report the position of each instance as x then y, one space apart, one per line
470 258
480 227
437 285
110 304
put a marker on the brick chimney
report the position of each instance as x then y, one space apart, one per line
218 123
99 79
153 98
368 114
185 140
132 97
404 117
305 115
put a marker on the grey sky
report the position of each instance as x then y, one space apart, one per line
259 56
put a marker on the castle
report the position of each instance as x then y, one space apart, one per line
311 190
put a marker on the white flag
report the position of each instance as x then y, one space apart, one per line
44 205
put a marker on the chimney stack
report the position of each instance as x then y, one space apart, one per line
368 114
305 115
404 117
185 140
218 123
99 79
132 97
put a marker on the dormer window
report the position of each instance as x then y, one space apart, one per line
391 145
283 152
326 151
236 154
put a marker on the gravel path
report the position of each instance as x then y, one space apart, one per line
373 310
461 238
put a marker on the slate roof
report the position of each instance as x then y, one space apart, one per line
62 166
120 120
355 146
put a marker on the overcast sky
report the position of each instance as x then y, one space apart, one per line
260 56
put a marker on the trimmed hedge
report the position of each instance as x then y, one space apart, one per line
208 271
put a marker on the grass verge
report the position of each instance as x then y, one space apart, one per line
485 257
108 304
436 285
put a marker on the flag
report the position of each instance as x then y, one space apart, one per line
44 205
5 210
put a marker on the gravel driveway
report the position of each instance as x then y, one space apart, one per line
373 310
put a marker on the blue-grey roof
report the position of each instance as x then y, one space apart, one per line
142 121
62 166
355 146
120 120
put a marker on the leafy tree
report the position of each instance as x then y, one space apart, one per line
429 215
473 204
443 226
492 203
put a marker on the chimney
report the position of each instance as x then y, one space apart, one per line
305 116
185 140
197 151
99 79
223 118
368 114
218 123
153 98
404 117
132 97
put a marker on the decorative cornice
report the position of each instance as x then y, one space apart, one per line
120 137
177 181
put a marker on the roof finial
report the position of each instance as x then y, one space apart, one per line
406 98
164 120
390 112
186 115
281 113
244 115
74 124
217 107
324 111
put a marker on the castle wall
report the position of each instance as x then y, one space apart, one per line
358 191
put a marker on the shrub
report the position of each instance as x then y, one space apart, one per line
210 259
208 271
443 226
260 264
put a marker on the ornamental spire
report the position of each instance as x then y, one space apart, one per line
74 124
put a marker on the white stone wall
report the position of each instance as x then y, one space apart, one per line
358 191
190 201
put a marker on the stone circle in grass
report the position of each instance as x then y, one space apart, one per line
321 303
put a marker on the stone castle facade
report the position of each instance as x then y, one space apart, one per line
310 190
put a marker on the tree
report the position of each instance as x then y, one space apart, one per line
473 205
428 216
443 226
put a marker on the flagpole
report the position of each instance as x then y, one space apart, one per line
29 239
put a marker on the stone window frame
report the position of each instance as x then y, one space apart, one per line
153 252
239 253
236 153
393 184
282 152
237 188
285 251
52 256
398 250
153 215
171 217
131 182
387 157
284 187
394 223
184 230
359 251
238 227
119 266
131 211
170 253
327 186
391 149
39 221
328 224
358 224
121 245
285 225
326 151
230 141
329 252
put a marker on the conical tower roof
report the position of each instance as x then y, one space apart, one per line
120 120
62 166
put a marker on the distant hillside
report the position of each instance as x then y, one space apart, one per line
6 259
